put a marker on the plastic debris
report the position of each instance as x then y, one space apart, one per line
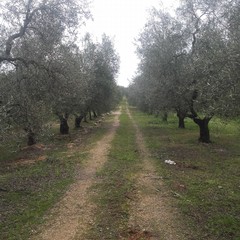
170 162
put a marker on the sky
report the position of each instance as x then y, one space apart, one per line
122 20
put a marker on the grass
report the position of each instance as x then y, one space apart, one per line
30 190
116 185
205 179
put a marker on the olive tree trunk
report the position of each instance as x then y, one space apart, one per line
204 129
78 120
95 114
64 128
181 117
90 115
165 117
31 138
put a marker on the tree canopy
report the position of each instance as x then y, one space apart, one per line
189 62
46 69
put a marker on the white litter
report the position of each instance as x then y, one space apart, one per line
170 162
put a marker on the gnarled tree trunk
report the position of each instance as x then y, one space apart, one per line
95 114
181 123
31 138
165 117
78 120
181 116
85 118
204 130
90 115
64 128
202 123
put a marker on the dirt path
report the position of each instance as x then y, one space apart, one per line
152 216
73 214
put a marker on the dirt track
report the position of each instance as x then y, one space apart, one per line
73 214
152 214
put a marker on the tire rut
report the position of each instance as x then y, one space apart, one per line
152 214
74 213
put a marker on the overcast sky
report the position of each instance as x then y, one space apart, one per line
123 20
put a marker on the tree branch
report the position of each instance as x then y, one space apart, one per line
21 33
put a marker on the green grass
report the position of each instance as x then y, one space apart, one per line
205 180
31 191
116 185
34 188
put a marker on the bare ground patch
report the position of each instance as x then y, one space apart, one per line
152 214
74 213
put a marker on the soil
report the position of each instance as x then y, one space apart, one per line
152 212
153 215
74 213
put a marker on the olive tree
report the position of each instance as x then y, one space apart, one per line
85 80
106 67
210 59
190 63
162 50
32 32
17 97
102 64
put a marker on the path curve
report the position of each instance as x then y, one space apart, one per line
74 213
151 214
